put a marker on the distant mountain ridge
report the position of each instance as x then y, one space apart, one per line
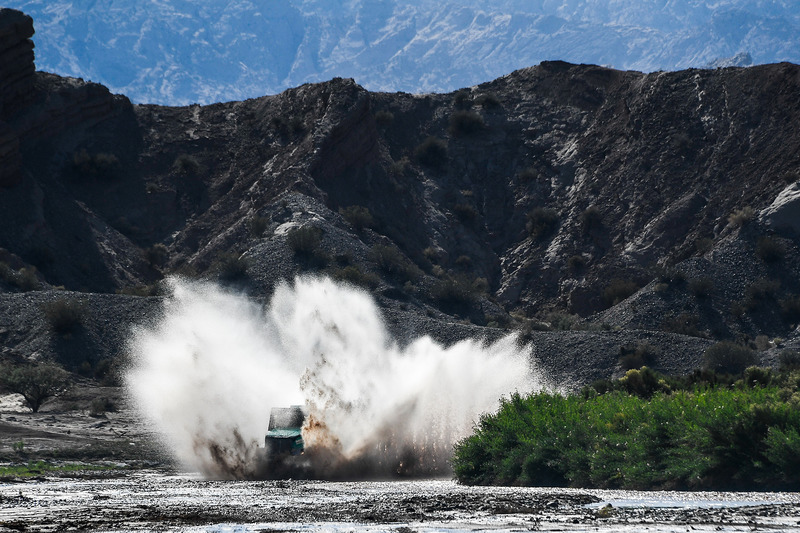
179 52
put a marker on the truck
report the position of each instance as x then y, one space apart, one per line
284 432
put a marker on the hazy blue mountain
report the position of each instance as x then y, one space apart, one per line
182 51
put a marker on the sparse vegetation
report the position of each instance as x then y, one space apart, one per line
701 287
488 101
618 290
258 225
24 279
643 431
466 123
64 315
591 220
462 99
305 240
152 289
528 174
635 357
99 165
742 216
231 267
432 153
36 383
759 293
770 250
384 118
542 222
684 323
156 255
727 357
40 468
358 216
392 261
455 292
576 263
186 164
466 213
355 276
790 308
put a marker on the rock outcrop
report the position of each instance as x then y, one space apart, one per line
16 84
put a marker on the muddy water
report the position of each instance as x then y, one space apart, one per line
152 500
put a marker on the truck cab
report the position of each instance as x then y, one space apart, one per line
284 432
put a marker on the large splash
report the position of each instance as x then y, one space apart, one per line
207 373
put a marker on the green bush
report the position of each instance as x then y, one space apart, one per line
635 357
643 431
36 383
358 216
528 174
684 323
789 360
542 222
462 99
431 153
466 123
64 315
770 250
727 357
466 213
790 307
576 263
455 292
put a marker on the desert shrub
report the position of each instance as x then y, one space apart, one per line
684 323
728 358
392 261
464 262
186 164
760 292
101 406
355 276
64 315
454 292
36 383
762 343
528 174
296 125
258 225
703 245
790 307
637 356
462 99
770 250
99 165
156 255
756 376
542 222
358 216
618 290
789 360
432 152
232 267
701 287
305 240
466 123
398 168
466 213
742 216
488 101
591 220
561 321
152 289
576 263
25 278
384 118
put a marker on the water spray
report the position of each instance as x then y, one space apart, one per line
206 373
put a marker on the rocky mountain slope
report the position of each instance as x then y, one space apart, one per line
180 52
593 208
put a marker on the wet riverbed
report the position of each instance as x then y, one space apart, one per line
154 500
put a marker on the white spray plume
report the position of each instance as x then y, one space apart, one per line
207 373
